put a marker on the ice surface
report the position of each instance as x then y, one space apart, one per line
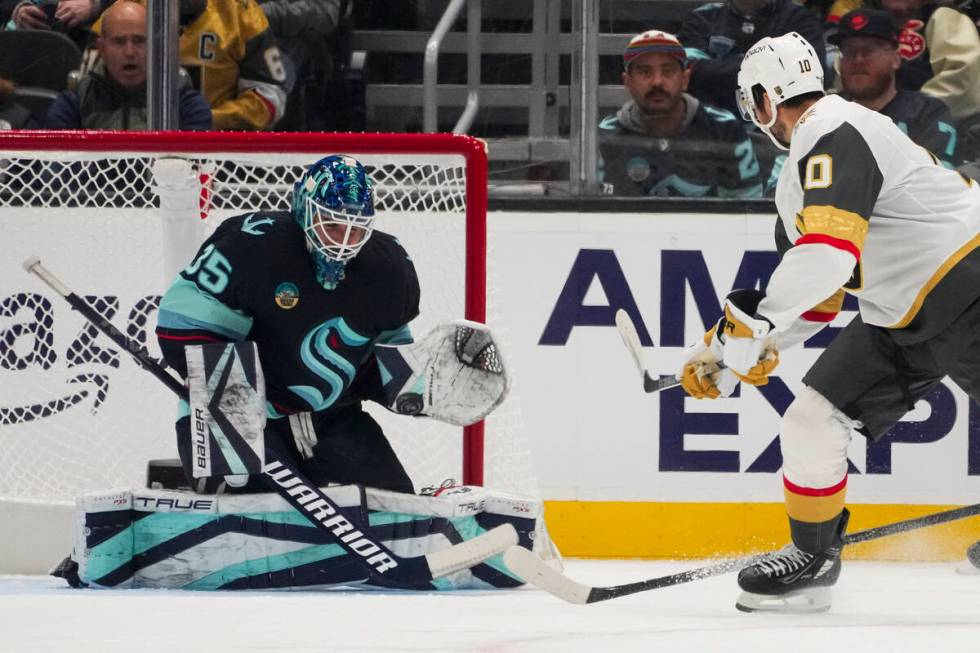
877 607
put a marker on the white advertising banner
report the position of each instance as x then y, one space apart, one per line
560 277
597 436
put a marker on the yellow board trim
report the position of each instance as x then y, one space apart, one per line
934 280
674 531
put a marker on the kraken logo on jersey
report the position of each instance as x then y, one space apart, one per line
287 295
320 354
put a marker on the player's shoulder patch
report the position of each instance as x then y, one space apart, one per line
257 224
807 115
822 118
717 114
609 123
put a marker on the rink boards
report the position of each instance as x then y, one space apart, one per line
627 473
633 474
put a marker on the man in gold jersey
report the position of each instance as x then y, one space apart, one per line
232 57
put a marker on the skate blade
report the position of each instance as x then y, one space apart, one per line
816 599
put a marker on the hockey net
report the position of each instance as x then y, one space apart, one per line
116 214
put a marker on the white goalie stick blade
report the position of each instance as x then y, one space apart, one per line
533 570
472 552
814 599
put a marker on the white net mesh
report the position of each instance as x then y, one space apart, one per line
77 415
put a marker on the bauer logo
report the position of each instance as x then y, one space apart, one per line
202 445
287 295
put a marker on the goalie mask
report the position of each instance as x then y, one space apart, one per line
334 205
783 67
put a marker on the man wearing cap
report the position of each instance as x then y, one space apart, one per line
869 61
664 142
940 51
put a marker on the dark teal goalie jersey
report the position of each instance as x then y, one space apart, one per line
254 280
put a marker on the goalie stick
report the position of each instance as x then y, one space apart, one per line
534 570
627 331
378 562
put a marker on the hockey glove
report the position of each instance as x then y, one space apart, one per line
701 377
749 350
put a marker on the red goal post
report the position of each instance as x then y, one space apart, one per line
58 189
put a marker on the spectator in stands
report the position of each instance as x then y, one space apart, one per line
14 115
303 29
868 42
113 94
230 52
940 51
232 57
717 36
663 141
73 17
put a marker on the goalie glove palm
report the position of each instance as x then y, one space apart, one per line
455 374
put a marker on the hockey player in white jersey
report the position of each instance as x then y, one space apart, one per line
862 209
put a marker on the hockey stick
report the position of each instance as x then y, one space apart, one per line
375 558
532 569
627 331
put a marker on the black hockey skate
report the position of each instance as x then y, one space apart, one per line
792 580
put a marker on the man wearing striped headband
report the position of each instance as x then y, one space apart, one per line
663 141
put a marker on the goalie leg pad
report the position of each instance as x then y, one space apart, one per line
227 410
260 541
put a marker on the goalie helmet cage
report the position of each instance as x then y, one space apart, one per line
116 214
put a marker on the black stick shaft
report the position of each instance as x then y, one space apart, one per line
143 359
912 524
